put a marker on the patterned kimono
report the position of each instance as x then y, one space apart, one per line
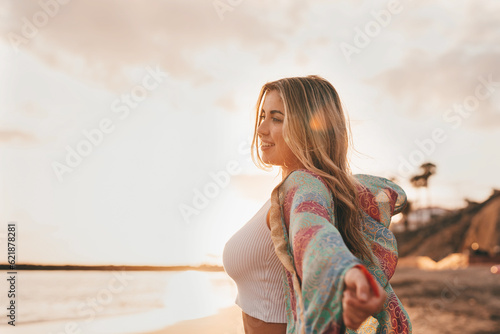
315 257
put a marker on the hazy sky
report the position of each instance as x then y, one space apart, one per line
120 120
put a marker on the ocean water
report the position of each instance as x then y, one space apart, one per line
55 302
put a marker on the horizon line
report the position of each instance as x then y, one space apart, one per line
201 267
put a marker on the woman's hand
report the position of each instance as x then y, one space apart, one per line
359 301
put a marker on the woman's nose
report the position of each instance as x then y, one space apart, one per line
262 129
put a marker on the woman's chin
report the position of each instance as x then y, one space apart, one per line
266 159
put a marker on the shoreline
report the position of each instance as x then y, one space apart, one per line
203 267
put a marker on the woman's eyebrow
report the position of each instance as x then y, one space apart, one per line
272 112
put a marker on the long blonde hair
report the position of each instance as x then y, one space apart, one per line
317 133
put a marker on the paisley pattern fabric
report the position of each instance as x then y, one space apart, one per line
315 257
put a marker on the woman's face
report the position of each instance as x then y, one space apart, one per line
275 150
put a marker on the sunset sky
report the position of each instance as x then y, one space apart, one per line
159 97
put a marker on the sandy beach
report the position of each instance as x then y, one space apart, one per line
442 301
227 321
450 301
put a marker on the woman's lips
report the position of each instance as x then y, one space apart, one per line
266 146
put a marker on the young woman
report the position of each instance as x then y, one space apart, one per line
325 257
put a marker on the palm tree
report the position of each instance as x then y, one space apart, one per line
422 180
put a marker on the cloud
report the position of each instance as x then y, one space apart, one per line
227 102
16 137
429 82
101 38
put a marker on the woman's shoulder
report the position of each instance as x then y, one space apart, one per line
304 180
304 175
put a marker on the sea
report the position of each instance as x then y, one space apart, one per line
98 302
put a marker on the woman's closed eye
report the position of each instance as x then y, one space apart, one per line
274 119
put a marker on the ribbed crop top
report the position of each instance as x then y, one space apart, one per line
250 260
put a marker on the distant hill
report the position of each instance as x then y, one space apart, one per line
476 225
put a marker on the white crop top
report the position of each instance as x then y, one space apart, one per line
250 260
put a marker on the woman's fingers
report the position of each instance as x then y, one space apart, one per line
362 286
353 316
352 278
359 300
355 281
355 308
368 307
350 323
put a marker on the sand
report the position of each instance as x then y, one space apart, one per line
450 301
441 301
227 321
